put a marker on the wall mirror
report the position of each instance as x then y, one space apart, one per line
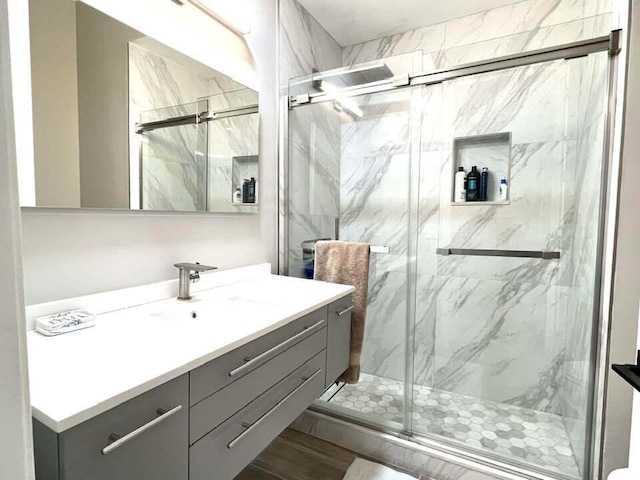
122 121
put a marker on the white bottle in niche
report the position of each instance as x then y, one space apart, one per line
504 190
459 192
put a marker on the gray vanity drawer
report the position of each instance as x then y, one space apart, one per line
158 452
215 409
225 451
338 338
220 372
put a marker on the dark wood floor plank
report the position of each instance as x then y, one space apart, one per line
296 456
253 472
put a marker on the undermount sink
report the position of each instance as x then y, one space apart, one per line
204 309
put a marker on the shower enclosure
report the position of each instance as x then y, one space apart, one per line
482 316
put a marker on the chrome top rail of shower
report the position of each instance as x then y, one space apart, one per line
195 118
610 43
480 252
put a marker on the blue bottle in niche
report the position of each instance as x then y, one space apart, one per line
473 185
309 268
484 184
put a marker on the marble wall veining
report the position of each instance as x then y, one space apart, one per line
232 150
174 166
523 26
314 136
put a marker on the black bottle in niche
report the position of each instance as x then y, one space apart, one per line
473 185
484 184
245 190
249 191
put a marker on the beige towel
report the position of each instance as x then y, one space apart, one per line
347 263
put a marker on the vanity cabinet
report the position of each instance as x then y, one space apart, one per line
144 438
338 338
213 421
230 447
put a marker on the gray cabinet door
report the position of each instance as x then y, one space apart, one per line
228 368
215 409
158 445
225 451
338 338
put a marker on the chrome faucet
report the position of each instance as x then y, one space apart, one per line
186 277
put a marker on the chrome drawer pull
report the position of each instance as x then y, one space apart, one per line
118 440
346 310
250 427
272 351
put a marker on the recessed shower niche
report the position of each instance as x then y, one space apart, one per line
492 151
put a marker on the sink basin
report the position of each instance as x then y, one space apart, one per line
206 309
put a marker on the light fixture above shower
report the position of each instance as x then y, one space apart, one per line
335 81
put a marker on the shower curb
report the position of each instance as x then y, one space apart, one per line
422 461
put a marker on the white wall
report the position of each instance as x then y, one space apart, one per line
75 254
55 102
103 108
626 291
16 458
634 447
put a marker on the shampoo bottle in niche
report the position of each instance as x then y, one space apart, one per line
251 191
504 190
245 190
484 184
459 190
237 197
473 185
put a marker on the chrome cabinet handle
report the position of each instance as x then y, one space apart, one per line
118 440
256 424
346 310
272 351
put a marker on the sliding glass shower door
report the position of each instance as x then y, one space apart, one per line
503 343
481 315
351 167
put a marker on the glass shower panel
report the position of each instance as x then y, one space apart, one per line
503 345
353 160
173 170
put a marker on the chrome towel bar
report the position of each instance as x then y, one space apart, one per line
479 252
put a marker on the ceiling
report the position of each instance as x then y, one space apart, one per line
355 21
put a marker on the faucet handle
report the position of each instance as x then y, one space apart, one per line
194 267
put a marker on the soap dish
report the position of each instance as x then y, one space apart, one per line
64 322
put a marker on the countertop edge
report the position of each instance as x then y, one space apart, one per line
64 424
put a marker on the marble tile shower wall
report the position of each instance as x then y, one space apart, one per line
523 26
541 148
314 135
174 175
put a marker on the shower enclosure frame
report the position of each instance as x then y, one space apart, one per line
602 292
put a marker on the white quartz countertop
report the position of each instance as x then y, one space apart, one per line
76 376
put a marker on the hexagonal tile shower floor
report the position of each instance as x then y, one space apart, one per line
533 437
